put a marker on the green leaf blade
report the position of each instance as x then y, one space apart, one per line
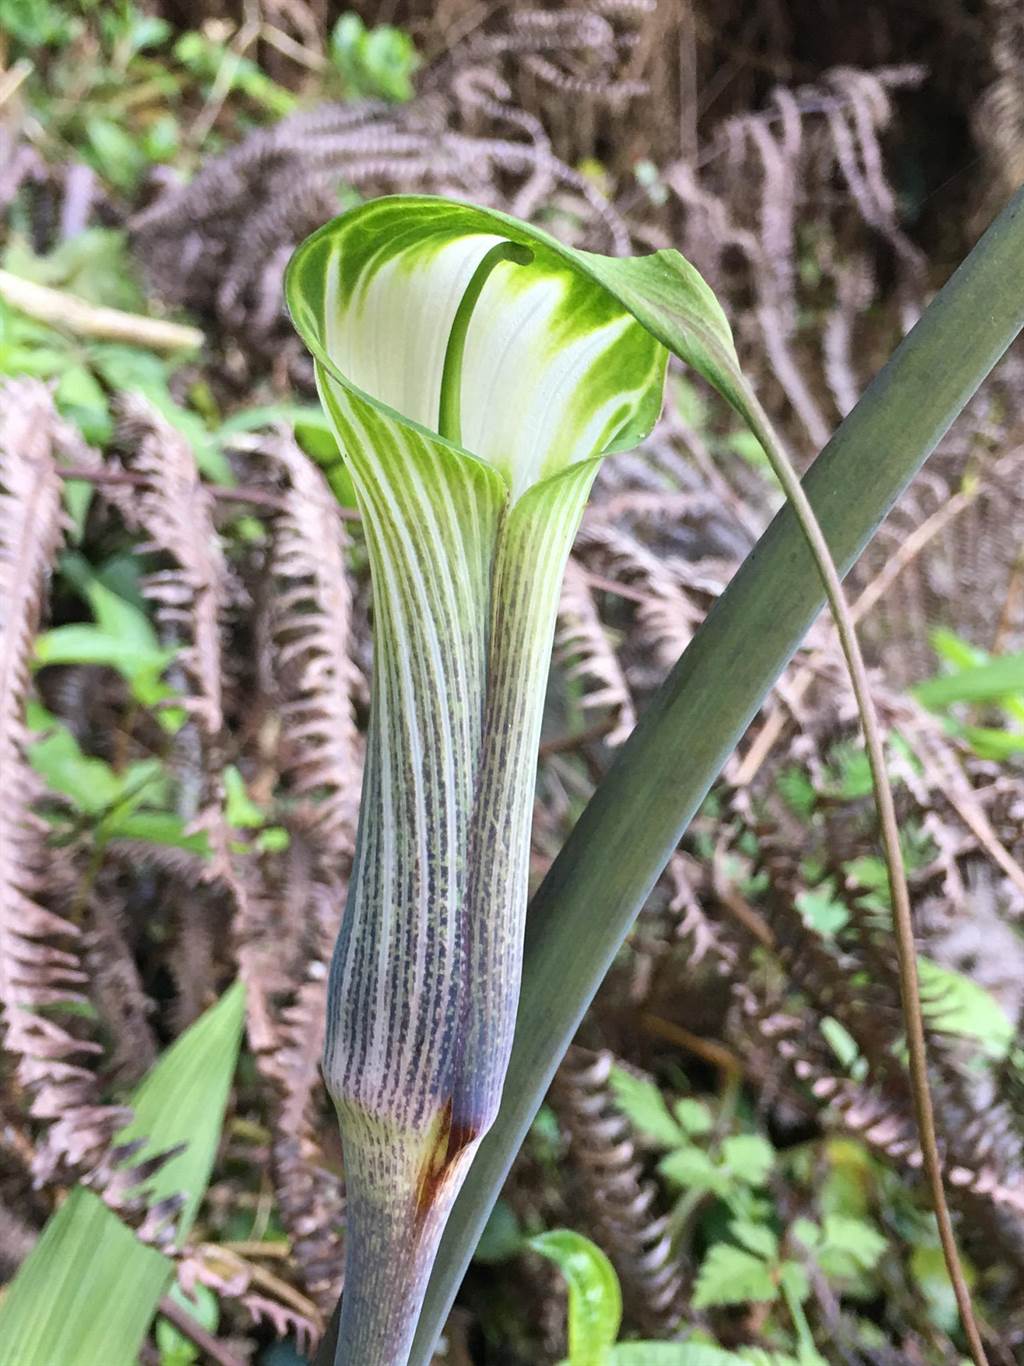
729 1275
88 1291
595 1300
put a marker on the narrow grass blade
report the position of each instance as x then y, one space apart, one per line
89 1289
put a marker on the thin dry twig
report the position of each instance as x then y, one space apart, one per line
910 989
69 313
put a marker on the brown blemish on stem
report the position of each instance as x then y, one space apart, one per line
450 1140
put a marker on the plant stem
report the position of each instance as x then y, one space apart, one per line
903 922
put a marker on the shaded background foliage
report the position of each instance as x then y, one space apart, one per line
188 814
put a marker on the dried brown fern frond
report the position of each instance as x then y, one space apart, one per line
669 613
175 511
654 564
812 154
40 965
223 240
120 1181
116 988
999 115
261 1293
866 1004
678 932
310 1197
983 1185
285 906
620 1201
967 576
191 593
583 647
312 630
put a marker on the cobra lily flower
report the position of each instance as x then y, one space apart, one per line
475 371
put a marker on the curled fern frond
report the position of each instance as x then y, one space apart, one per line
621 1202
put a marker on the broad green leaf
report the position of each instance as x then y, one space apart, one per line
644 1106
728 1275
89 783
694 1116
989 742
990 682
117 616
81 643
955 650
123 637
794 1283
88 1291
670 1354
374 62
749 1158
693 1169
806 1232
80 397
797 790
116 154
182 1100
849 1245
954 1004
240 811
156 827
822 911
595 1300
756 1238
130 804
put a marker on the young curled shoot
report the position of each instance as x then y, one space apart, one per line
476 370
